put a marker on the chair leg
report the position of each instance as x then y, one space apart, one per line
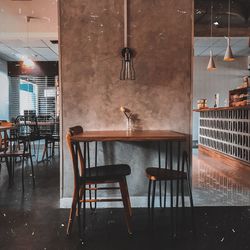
127 195
45 151
149 194
84 211
32 169
191 198
79 217
38 149
72 213
53 148
9 171
153 204
124 193
165 194
23 173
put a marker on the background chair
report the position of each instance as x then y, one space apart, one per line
11 152
49 131
28 130
94 175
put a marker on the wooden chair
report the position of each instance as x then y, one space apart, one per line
94 175
169 174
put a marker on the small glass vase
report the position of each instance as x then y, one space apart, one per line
129 125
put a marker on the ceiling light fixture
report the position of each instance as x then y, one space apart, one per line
28 62
229 54
211 64
127 71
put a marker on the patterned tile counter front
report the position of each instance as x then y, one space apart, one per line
226 131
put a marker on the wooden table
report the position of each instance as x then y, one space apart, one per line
167 136
123 135
6 127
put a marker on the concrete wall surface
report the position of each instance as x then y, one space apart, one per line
91 38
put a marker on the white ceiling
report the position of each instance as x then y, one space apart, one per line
36 49
202 46
17 37
21 38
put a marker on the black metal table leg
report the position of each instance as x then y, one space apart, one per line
177 182
159 165
171 190
166 167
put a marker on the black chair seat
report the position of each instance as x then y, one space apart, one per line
108 172
164 174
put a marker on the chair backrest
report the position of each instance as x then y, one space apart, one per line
3 141
27 126
73 149
46 124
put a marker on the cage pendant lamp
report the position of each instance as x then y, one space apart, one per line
127 70
229 54
211 64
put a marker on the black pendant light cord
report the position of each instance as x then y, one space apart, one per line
229 18
211 23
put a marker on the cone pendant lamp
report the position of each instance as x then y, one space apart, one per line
229 54
211 65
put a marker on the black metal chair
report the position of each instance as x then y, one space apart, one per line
86 176
170 174
49 131
11 152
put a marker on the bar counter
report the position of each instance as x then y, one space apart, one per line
225 132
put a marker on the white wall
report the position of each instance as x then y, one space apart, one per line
227 76
4 91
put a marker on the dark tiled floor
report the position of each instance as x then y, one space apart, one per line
34 221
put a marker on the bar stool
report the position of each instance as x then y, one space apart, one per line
87 175
169 174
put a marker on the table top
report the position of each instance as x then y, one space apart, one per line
6 127
123 135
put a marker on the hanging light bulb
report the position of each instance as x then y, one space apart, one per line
229 54
127 71
211 64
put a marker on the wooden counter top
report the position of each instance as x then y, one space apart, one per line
221 108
